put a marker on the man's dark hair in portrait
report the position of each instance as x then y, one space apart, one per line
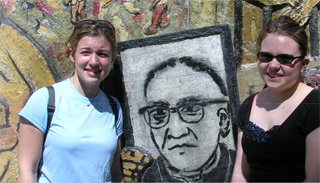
188 113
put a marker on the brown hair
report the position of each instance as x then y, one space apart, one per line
93 29
286 26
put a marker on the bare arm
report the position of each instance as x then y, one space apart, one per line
116 170
29 151
241 168
313 156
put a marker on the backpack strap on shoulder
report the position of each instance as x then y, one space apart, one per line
51 109
114 107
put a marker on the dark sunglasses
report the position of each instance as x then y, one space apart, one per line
282 58
102 23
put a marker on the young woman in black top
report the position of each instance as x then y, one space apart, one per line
278 128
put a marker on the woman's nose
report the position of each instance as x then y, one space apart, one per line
94 59
274 64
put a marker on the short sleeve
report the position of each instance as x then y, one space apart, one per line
35 110
313 111
244 112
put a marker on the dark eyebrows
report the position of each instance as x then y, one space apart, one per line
85 48
154 104
160 103
198 100
189 100
184 102
98 51
104 51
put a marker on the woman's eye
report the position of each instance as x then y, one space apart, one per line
85 53
103 55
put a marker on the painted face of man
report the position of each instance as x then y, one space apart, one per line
183 115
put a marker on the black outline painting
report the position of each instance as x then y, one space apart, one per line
181 97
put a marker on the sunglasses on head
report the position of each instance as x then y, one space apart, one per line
102 23
282 58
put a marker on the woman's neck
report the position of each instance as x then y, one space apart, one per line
279 96
85 89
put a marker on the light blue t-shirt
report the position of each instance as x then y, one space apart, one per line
82 138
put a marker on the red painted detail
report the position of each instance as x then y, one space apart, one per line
159 11
7 4
43 7
137 17
96 8
50 52
56 46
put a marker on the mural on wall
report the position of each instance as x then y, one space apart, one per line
248 23
298 10
160 16
22 61
311 77
77 9
130 6
181 96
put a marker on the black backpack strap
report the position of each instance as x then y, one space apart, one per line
114 107
51 108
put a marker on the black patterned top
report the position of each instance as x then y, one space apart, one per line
279 153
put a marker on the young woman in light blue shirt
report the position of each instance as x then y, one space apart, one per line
83 142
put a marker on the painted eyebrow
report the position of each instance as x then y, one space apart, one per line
154 104
160 103
189 100
184 102
194 100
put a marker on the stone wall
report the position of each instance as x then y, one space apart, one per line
33 31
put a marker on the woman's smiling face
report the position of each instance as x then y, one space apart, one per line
274 74
93 59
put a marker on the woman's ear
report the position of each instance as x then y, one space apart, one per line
224 122
70 55
305 62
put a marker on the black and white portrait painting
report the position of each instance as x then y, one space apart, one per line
181 97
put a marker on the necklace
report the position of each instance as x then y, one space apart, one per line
90 100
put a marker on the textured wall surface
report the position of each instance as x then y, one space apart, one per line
33 31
